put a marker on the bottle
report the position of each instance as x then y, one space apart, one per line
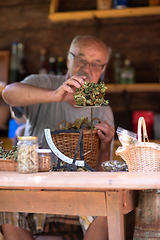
59 70
14 64
21 62
127 73
119 4
117 67
43 68
52 63
27 154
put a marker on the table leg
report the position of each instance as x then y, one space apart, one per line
115 215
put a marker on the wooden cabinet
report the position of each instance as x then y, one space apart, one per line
54 15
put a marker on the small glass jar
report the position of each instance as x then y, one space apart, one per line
27 154
44 156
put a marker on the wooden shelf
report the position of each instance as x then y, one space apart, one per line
54 15
138 87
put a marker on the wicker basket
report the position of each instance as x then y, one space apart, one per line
142 156
67 142
8 165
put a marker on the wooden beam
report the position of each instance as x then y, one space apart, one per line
89 181
54 6
138 87
58 202
114 200
111 13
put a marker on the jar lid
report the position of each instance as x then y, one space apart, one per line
43 150
27 137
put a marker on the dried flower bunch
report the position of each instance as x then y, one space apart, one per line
78 122
8 154
91 94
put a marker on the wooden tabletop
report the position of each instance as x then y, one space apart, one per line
81 180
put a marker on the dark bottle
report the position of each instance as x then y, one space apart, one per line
21 62
127 73
117 67
43 68
14 64
52 65
59 70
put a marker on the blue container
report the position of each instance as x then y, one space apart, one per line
13 125
120 4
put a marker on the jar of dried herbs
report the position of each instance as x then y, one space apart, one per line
44 156
27 154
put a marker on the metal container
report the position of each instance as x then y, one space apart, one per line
27 154
147 224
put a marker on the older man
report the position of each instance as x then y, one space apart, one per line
45 100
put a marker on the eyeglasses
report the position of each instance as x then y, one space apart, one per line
80 62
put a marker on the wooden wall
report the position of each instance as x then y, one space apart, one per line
135 38
27 22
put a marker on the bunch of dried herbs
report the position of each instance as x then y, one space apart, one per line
77 123
8 154
91 94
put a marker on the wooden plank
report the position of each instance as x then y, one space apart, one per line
138 87
130 200
89 181
111 13
115 218
54 6
57 202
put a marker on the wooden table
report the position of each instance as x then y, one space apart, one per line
83 193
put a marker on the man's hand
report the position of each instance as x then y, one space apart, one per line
106 134
67 90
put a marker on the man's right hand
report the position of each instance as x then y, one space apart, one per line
67 90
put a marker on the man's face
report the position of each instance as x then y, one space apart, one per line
90 54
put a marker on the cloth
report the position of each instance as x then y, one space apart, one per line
48 115
36 222
29 221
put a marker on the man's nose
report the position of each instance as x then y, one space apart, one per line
87 66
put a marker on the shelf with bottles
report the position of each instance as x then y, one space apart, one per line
54 15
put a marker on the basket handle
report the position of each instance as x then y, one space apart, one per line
142 124
64 121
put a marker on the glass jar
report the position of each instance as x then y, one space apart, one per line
27 154
44 156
